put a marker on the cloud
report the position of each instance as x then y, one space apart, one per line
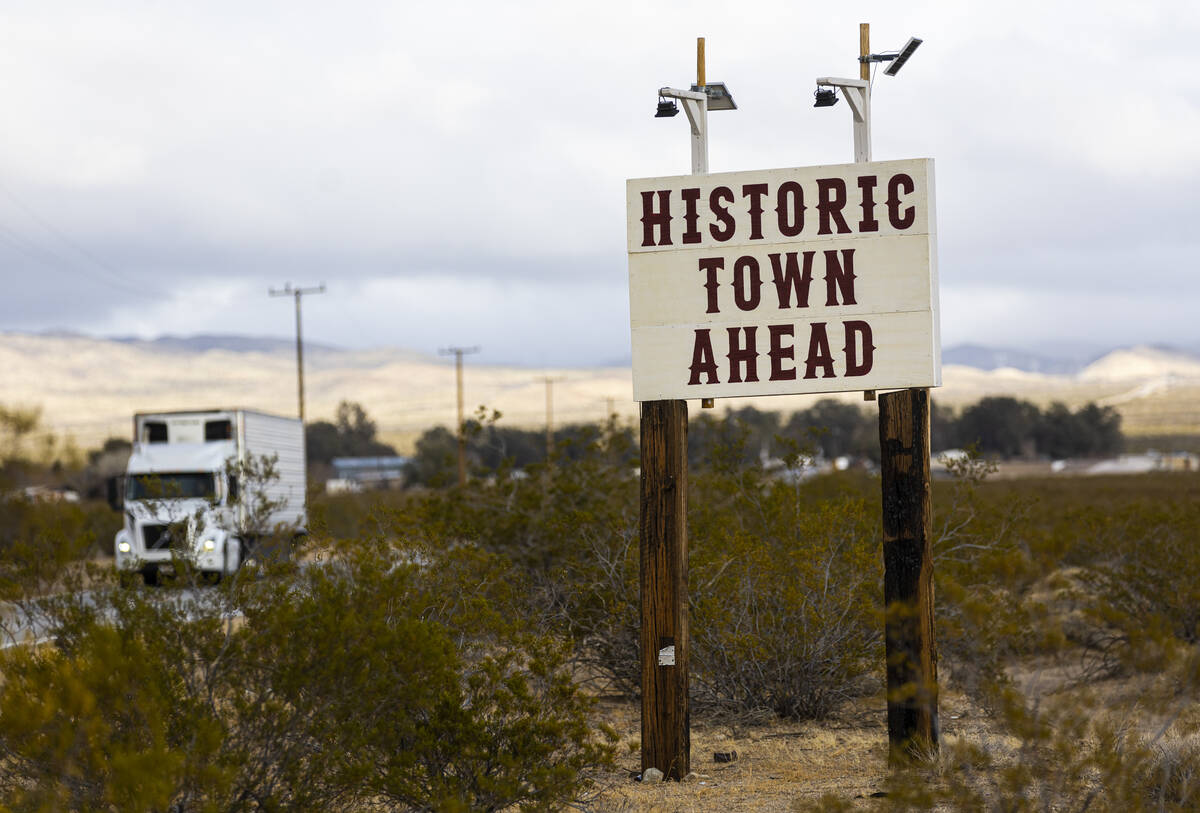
194 150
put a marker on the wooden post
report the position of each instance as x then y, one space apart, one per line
666 723
288 290
864 73
550 382
864 49
459 352
912 702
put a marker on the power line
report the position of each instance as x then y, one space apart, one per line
458 353
288 290
116 277
550 382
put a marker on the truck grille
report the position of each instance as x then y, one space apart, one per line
156 537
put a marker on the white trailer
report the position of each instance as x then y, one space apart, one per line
211 486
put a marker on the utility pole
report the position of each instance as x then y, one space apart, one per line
664 644
458 353
911 653
550 381
288 290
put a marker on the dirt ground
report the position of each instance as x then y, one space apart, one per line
781 765
778 764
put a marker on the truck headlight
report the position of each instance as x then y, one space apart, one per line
209 545
123 547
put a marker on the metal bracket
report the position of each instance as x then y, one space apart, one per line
695 104
858 96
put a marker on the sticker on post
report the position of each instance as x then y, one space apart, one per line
666 656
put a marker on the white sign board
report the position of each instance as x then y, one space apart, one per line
816 279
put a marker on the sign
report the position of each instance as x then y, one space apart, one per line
784 281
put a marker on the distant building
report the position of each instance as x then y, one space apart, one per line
1150 461
360 473
45 494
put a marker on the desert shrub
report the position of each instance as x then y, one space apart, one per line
39 539
1069 752
785 618
786 591
569 531
785 576
1170 778
981 571
369 680
1141 596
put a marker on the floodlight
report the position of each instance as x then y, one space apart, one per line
718 96
826 97
666 108
903 56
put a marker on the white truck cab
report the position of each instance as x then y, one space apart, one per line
183 491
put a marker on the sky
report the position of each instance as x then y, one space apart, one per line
454 172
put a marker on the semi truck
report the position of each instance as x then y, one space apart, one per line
212 486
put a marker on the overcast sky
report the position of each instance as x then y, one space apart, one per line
454 171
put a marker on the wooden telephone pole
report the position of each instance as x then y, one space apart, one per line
912 692
665 643
288 290
912 695
459 352
550 382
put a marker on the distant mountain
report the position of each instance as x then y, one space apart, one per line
204 342
1145 363
994 358
88 387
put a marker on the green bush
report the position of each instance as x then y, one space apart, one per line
785 607
38 540
1068 752
368 680
786 591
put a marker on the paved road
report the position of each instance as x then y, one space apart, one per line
31 622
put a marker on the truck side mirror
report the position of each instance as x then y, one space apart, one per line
116 492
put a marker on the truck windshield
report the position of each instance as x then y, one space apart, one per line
172 485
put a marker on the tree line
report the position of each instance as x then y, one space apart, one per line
997 426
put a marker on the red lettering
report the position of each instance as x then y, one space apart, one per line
703 361
819 354
746 296
839 277
690 216
739 355
756 192
722 212
789 206
866 185
788 278
855 366
661 218
711 265
779 354
909 217
831 199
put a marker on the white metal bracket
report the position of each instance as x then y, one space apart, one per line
695 104
858 96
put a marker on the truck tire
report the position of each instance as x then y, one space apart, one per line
150 576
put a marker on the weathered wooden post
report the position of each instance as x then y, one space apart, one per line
904 453
666 717
666 709
912 694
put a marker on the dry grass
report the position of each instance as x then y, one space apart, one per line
778 764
